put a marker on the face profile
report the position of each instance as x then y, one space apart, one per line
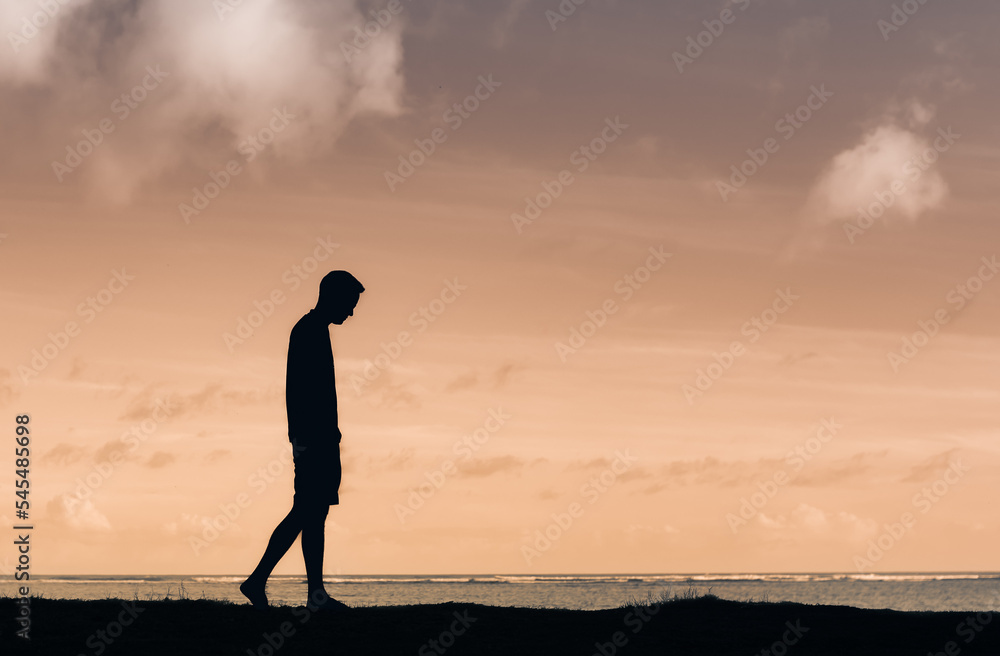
339 292
343 308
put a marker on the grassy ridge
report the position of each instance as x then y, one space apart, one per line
703 626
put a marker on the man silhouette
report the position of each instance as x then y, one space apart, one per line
311 404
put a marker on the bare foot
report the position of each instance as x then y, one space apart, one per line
254 591
321 600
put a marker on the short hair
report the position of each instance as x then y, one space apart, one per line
339 284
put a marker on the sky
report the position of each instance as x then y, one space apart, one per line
650 286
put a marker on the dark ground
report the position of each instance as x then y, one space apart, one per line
704 626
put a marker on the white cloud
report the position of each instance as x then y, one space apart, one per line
224 78
31 33
809 520
864 174
82 515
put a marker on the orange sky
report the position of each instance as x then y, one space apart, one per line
631 273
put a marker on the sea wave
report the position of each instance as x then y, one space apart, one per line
529 579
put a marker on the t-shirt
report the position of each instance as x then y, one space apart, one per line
310 388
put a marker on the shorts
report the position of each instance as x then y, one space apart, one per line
317 473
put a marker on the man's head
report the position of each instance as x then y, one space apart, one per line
339 292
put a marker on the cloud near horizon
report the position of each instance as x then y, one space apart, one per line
81 515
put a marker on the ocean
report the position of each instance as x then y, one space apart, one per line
899 591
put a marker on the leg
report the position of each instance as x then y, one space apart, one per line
316 483
313 541
313 544
281 540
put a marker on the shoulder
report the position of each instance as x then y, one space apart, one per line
309 323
